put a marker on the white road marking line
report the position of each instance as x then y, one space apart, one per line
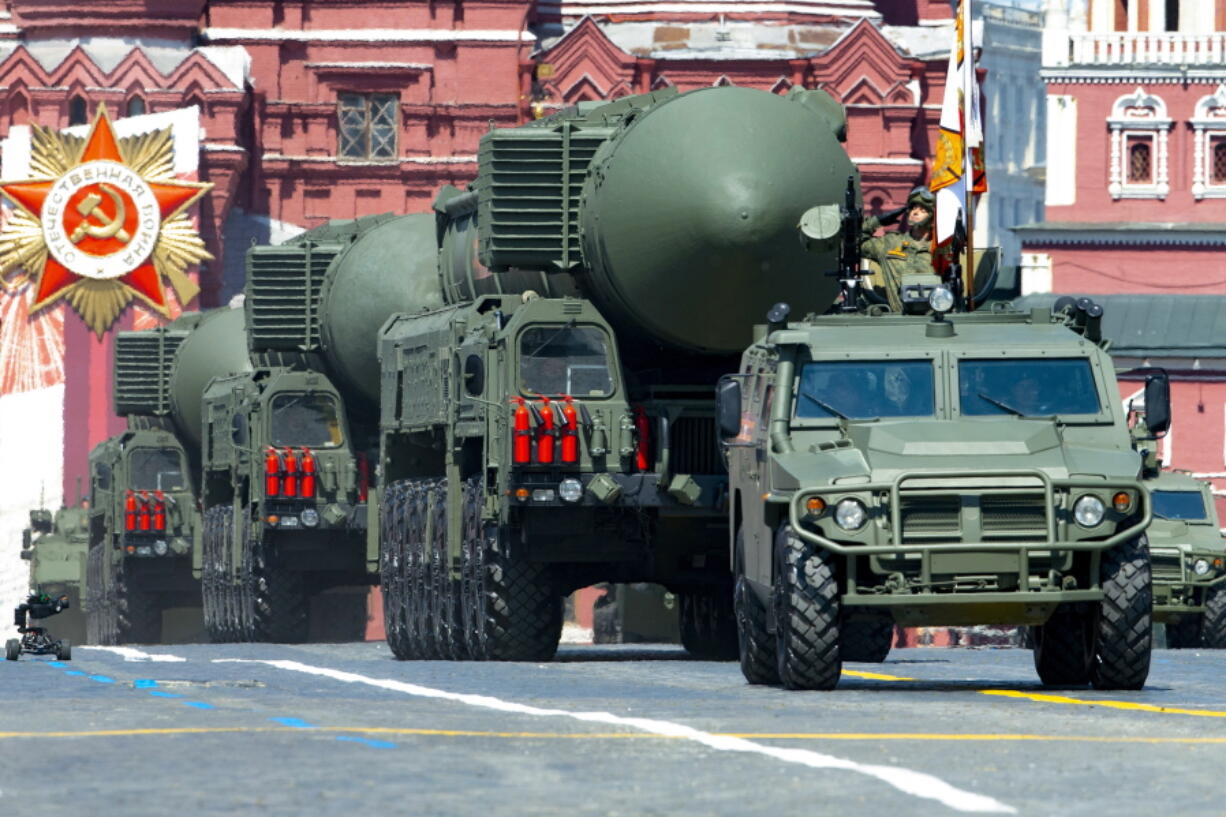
133 654
908 781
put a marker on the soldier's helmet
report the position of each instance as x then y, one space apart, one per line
922 197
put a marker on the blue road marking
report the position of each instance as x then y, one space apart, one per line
102 679
56 664
374 744
159 693
73 672
199 704
296 723
144 683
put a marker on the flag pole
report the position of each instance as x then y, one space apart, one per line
969 104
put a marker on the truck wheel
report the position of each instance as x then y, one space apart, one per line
141 614
212 583
1213 627
708 624
807 604
1064 646
391 568
95 605
755 644
421 574
12 649
445 591
1125 619
281 603
867 637
63 650
514 612
1183 634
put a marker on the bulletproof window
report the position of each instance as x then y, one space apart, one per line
368 125
102 476
1027 387
77 112
558 360
1189 505
156 469
1140 160
866 389
1218 160
136 106
310 420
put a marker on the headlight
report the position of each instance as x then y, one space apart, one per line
1200 567
160 547
1089 511
941 299
542 495
570 489
143 550
309 517
850 514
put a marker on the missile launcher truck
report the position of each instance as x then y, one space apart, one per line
144 518
56 546
291 443
1189 562
546 418
937 470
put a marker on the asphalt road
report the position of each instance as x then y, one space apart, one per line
346 729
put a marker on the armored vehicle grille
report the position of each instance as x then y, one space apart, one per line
529 187
142 367
930 515
1166 564
283 289
693 448
1024 515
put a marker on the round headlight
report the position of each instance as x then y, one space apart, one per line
1200 567
941 299
850 514
1089 511
570 489
309 517
160 547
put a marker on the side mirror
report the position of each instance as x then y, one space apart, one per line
728 407
1158 402
28 555
238 430
27 541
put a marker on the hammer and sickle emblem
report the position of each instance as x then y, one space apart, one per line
109 227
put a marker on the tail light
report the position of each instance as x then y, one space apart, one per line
522 433
129 512
144 510
290 483
159 511
272 472
307 488
363 478
544 432
642 438
570 431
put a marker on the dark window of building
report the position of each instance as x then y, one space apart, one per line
77 113
1140 161
136 106
1217 154
1172 15
368 126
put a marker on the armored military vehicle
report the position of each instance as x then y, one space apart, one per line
943 469
545 413
56 545
1189 562
145 526
635 614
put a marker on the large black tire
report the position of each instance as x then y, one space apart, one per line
708 624
281 608
12 649
63 650
755 644
421 574
1064 646
866 637
97 610
445 602
515 612
1183 634
1213 623
807 614
1125 619
140 612
212 579
391 568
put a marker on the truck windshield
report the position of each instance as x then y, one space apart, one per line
1027 387
156 469
1178 505
305 419
568 359
866 389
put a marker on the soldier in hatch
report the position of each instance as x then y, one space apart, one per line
904 251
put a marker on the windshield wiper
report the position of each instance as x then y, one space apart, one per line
552 337
824 405
1000 404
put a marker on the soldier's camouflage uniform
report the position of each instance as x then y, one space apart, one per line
897 254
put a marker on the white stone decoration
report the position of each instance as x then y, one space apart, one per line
1139 114
1208 122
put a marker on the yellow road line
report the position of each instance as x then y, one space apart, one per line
875 676
1064 699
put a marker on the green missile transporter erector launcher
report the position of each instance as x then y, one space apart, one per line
1189 561
56 546
145 523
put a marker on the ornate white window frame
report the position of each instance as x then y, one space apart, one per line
1208 122
1136 114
